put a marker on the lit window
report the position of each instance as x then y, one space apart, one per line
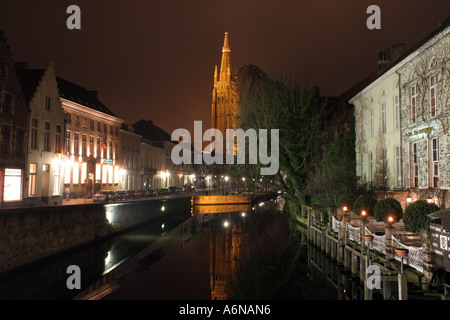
83 172
12 185
98 172
32 180
56 180
76 173
67 174
116 174
110 174
104 174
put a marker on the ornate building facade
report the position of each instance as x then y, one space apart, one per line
402 122
225 108
92 161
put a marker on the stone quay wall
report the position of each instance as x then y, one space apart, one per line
28 235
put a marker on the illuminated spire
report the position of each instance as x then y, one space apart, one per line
225 67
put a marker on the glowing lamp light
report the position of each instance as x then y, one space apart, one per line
364 213
429 200
225 224
345 208
408 199
390 219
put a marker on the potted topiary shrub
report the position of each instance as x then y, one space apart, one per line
416 214
364 202
386 208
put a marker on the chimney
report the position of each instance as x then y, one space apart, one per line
383 59
397 50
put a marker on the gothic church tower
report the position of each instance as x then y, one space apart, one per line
225 97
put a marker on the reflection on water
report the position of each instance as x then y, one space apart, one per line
201 255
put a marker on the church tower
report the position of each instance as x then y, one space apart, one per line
225 96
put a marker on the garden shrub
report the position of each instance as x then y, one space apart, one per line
416 215
387 207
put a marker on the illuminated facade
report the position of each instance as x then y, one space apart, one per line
92 136
44 166
403 117
225 108
156 163
13 127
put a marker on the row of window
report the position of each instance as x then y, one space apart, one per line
81 121
77 173
433 99
7 103
97 146
433 108
32 178
11 142
414 165
34 138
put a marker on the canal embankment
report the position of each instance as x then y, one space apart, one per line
30 235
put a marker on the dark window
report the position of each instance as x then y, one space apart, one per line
7 103
5 139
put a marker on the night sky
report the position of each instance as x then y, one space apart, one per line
155 59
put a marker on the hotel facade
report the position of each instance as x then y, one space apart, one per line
92 136
402 121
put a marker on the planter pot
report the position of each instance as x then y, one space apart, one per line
367 237
401 252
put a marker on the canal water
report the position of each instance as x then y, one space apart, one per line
241 254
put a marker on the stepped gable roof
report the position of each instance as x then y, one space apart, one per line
29 80
80 95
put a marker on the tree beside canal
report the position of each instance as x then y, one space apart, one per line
293 107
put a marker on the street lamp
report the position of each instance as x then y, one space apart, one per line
390 220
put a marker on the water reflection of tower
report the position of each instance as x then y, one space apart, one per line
225 253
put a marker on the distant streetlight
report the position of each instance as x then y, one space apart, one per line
390 220
364 214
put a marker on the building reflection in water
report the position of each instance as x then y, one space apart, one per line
238 239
